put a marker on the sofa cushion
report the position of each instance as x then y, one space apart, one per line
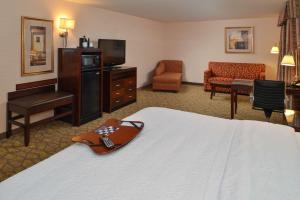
168 77
220 79
236 70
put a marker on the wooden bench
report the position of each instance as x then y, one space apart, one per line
36 97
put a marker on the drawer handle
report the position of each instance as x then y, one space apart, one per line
117 93
117 101
130 89
130 96
118 85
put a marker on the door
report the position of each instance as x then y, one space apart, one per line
90 95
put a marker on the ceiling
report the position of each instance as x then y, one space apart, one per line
190 10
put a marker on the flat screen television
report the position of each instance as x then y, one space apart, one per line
113 51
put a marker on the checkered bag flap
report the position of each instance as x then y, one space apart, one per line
110 136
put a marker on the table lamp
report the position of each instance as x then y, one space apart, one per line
289 115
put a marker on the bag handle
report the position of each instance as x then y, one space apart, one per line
134 124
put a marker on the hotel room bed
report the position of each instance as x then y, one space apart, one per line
178 155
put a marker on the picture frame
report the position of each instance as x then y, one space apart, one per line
37 55
239 40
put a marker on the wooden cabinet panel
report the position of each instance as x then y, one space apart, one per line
70 79
129 97
119 88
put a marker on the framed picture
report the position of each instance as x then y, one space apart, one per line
239 39
37 46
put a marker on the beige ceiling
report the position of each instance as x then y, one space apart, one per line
190 10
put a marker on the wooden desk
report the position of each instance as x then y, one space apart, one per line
236 87
221 84
295 97
293 120
31 99
246 85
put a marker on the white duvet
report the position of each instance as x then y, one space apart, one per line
178 155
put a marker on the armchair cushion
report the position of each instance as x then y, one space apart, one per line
168 77
160 69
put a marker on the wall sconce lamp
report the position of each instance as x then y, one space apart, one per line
275 49
66 25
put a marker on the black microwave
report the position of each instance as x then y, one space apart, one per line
90 61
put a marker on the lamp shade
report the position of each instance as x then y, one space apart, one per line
288 60
289 114
275 49
65 23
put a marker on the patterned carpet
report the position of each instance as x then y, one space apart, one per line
49 139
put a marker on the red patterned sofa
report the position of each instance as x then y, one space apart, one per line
226 71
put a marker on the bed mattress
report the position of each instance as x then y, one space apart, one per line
178 155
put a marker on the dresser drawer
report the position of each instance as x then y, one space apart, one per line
129 97
130 89
117 94
116 85
119 88
129 82
117 102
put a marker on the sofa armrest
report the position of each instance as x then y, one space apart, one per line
207 75
262 76
160 69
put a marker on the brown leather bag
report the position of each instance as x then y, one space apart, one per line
112 130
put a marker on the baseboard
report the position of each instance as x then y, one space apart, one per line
192 83
184 82
145 86
14 131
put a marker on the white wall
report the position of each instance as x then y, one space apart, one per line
197 43
144 38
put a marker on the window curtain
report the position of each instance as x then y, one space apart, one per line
289 21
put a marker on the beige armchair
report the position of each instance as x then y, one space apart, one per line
168 75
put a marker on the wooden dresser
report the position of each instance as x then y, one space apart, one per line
119 88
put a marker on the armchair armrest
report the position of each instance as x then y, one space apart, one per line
160 69
207 75
262 76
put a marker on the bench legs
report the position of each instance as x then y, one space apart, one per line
26 125
26 129
8 122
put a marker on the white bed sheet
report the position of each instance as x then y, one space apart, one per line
178 155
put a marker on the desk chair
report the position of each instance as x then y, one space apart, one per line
269 96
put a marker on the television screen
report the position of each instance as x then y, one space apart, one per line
113 51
